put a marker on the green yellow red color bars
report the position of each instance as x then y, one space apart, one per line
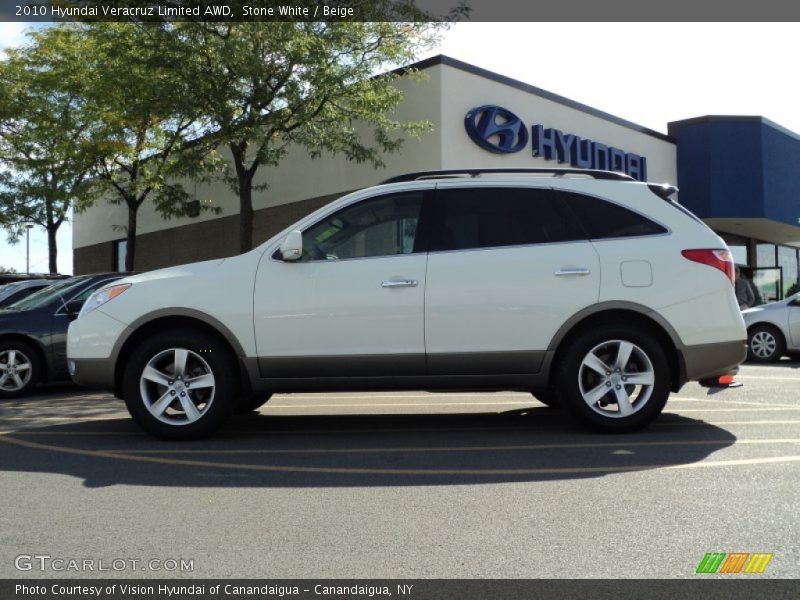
736 562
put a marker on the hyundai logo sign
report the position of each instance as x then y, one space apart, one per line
498 130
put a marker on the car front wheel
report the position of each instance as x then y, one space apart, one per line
19 369
180 385
765 344
614 379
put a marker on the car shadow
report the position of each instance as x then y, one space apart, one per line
264 450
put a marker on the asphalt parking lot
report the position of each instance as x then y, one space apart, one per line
410 485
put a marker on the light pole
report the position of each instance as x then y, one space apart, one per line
28 228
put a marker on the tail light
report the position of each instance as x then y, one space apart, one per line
719 259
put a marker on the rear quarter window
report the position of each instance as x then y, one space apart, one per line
603 220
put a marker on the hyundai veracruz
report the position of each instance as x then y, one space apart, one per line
586 288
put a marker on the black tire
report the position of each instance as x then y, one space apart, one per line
548 398
205 356
574 378
26 369
251 403
765 343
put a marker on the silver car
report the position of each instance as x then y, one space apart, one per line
773 329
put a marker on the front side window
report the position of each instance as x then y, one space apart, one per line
383 226
472 218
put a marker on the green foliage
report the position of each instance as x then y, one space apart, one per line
46 151
265 87
147 132
129 111
145 123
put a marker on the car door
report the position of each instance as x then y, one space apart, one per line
794 321
353 305
506 269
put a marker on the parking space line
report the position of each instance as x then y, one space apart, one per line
718 423
746 377
400 471
726 401
764 408
507 448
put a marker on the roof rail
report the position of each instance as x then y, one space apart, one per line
453 173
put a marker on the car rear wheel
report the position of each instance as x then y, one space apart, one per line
765 344
180 385
614 379
19 369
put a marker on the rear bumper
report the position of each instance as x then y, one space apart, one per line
704 361
92 372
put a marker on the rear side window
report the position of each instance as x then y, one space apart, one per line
603 219
496 217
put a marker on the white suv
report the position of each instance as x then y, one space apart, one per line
585 288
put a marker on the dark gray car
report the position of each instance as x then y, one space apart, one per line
33 333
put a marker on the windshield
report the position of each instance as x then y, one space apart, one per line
46 295
9 288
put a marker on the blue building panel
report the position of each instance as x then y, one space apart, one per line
738 167
781 162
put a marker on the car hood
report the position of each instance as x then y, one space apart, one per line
189 270
763 311
765 307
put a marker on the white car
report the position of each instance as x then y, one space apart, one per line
586 288
773 329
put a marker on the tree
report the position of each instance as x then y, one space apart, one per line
45 146
266 86
147 129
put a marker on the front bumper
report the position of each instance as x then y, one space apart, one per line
91 344
92 372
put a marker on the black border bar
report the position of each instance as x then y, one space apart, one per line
403 10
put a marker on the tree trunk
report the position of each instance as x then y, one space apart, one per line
245 215
244 177
52 248
130 251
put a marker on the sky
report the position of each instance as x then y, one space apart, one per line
648 73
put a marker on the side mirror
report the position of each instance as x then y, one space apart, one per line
292 247
73 307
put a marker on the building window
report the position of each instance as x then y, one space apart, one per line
765 255
120 254
787 260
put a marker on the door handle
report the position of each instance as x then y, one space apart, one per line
400 283
571 271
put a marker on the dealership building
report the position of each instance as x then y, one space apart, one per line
739 174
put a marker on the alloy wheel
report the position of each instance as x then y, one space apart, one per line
177 386
616 378
15 370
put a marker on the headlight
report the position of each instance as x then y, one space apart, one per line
100 297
